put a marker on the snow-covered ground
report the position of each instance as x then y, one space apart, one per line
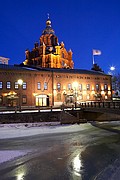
28 129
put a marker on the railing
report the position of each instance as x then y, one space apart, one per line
111 104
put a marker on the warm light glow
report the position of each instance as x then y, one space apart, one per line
20 82
109 92
75 85
93 92
102 92
35 94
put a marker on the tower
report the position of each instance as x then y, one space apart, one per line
48 53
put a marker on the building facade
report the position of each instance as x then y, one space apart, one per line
51 87
48 78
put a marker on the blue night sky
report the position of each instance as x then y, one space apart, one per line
82 25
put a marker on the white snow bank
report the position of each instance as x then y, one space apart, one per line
28 129
7 155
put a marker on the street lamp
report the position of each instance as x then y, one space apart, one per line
20 82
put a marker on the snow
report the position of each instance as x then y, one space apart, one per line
29 129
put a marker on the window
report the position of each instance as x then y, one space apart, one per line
88 87
24 99
69 86
1 84
45 86
38 86
88 96
1 99
58 86
24 85
59 97
105 87
80 97
16 85
8 84
97 87
80 87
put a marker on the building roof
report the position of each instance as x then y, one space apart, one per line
33 68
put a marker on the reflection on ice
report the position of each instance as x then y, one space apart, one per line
77 165
20 176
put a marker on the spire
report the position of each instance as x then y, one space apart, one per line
48 15
48 22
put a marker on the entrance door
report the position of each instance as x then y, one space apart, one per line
41 100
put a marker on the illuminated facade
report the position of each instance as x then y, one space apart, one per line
51 87
47 77
48 53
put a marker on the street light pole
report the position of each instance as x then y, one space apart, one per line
20 82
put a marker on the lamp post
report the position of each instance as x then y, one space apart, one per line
20 82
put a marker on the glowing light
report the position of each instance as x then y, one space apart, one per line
75 84
20 176
20 82
77 165
112 68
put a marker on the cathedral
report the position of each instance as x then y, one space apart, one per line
48 53
47 77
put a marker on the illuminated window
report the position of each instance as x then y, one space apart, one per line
105 87
97 87
88 87
1 84
69 86
38 85
45 85
58 86
80 97
16 85
8 85
80 87
24 85
88 96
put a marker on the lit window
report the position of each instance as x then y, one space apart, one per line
97 87
69 86
16 85
88 96
80 87
88 87
105 87
8 84
38 86
80 97
24 85
58 86
1 84
45 86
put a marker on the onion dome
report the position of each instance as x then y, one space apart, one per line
48 29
